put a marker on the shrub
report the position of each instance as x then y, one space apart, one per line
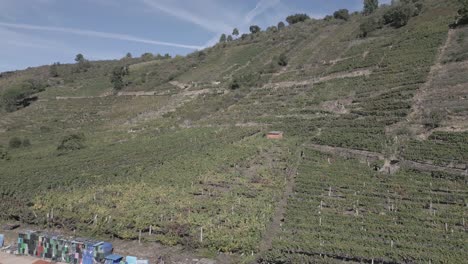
17 95
26 142
272 29
293 19
234 85
399 15
369 25
282 60
148 56
462 13
433 119
342 14
117 77
72 142
15 143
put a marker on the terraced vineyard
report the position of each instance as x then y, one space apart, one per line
346 211
179 155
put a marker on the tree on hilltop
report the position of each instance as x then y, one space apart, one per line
82 63
222 39
79 58
254 29
281 25
342 14
370 6
235 32
293 19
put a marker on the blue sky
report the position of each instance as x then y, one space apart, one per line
37 32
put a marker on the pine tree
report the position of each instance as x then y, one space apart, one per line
222 39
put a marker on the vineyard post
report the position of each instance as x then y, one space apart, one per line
201 234
139 237
329 192
150 229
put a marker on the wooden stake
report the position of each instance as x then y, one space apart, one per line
150 230
139 237
329 192
201 234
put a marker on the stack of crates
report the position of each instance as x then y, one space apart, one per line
27 243
60 249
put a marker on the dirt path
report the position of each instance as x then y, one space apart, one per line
340 75
368 156
275 226
423 91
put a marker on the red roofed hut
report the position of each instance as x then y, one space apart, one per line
275 135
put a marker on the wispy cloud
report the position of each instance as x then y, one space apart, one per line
98 34
260 8
182 13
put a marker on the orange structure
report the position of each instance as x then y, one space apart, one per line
275 135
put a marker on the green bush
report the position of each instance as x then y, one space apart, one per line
399 15
72 142
282 60
293 19
14 97
463 13
369 25
234 85
15 143
433 119
342 14
117 77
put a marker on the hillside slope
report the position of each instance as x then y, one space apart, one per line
180 156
